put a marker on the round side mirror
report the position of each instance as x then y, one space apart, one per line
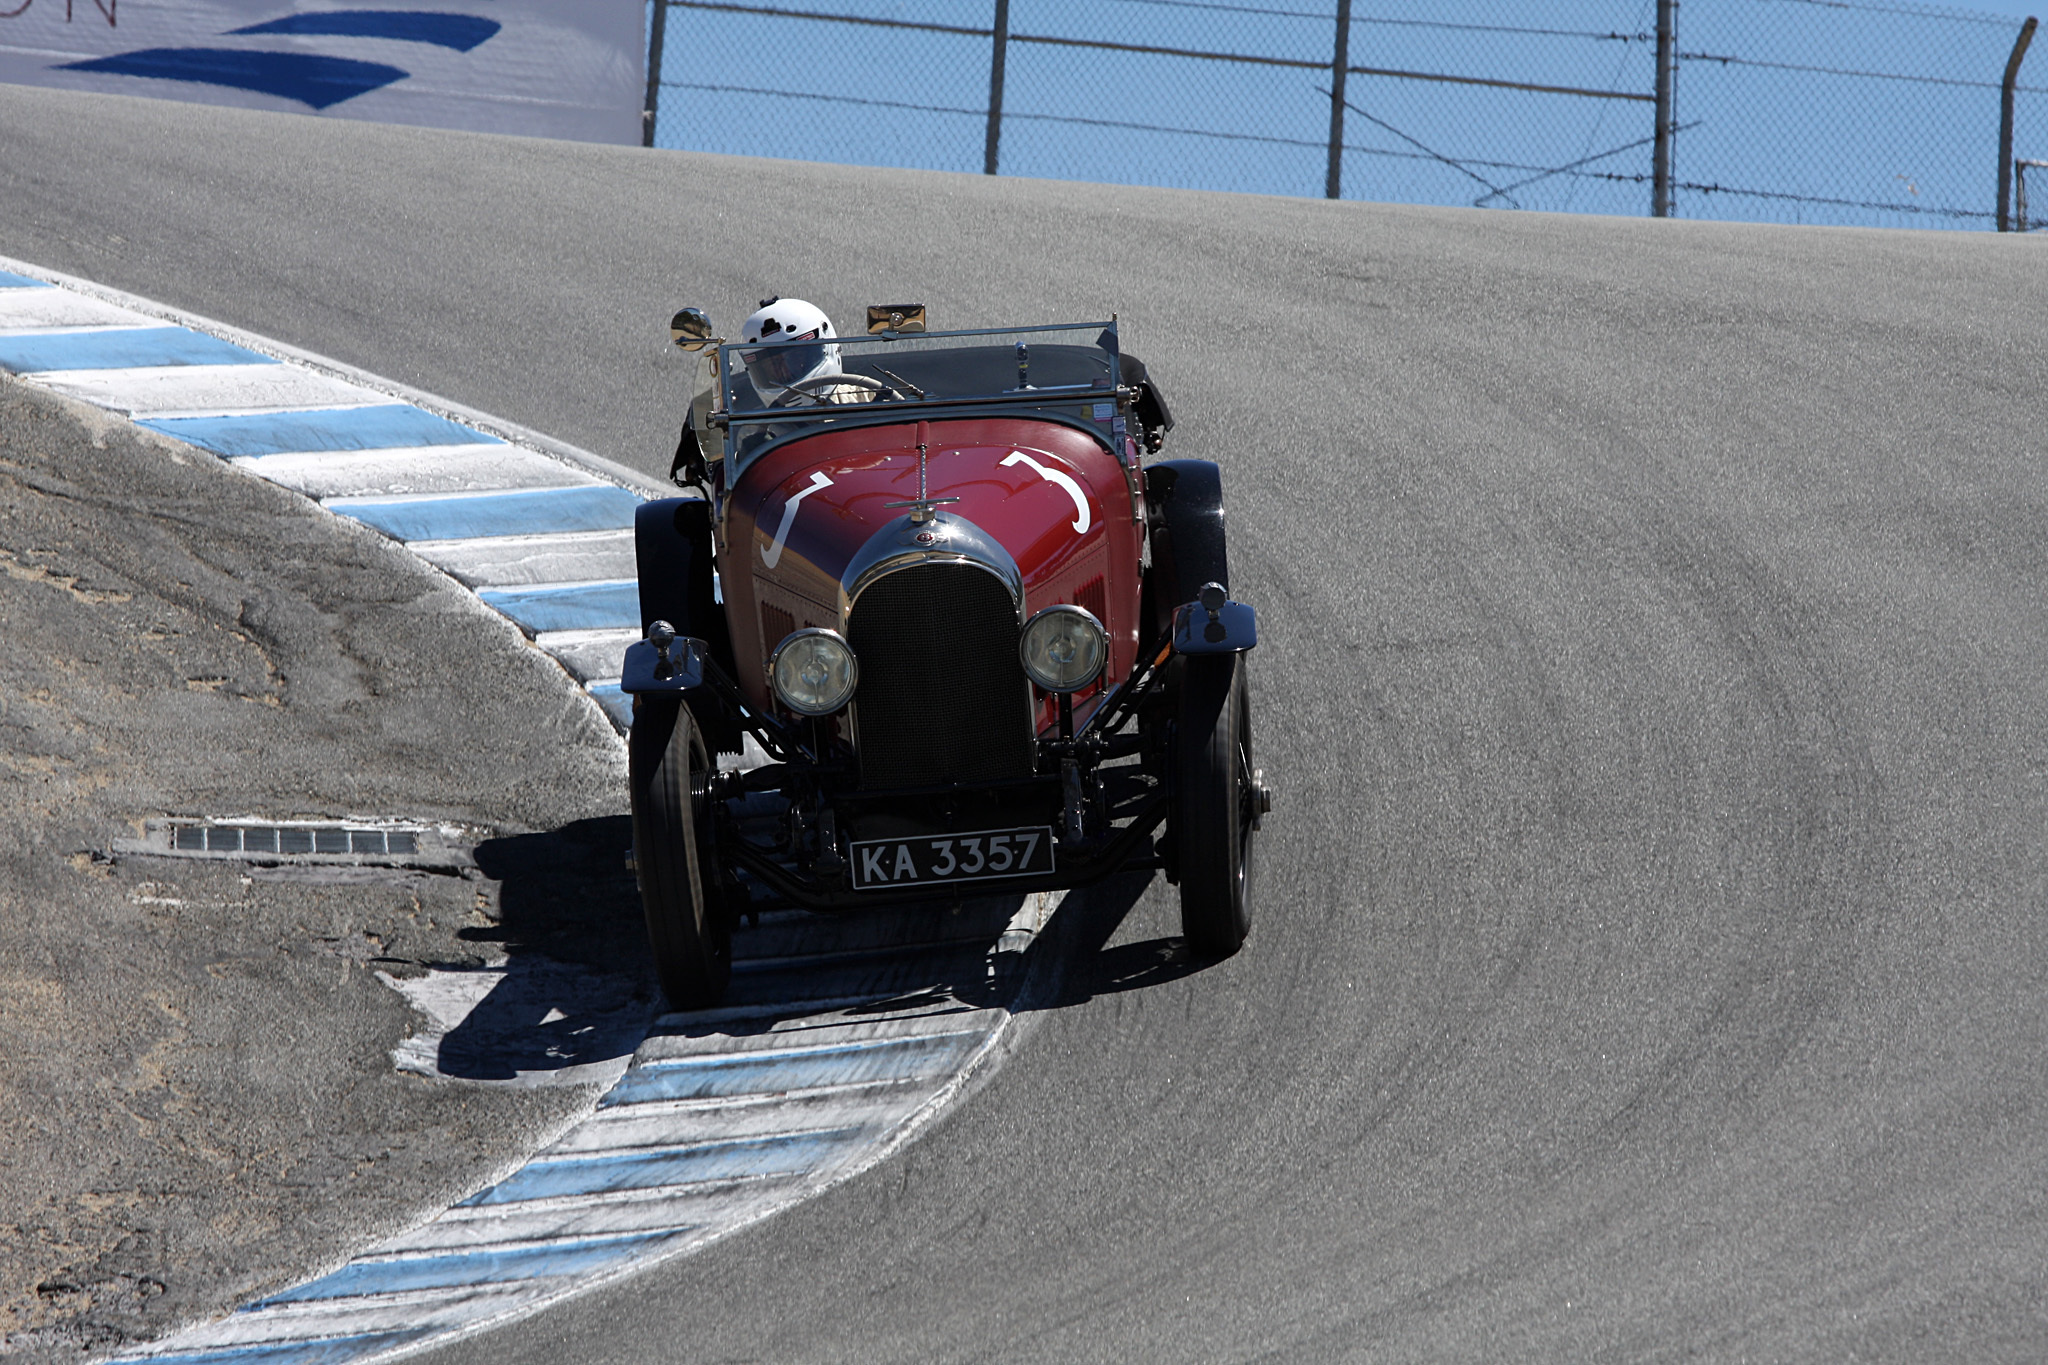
690 328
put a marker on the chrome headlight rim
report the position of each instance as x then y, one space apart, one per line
816 703
1053 617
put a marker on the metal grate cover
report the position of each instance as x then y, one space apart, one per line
295 839
281 841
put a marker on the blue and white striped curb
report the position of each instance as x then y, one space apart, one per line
709 1130
541 532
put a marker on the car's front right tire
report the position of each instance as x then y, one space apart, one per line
1215 807
675 853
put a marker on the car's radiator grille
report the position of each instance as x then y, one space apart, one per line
942 697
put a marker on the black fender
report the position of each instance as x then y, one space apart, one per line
672 546
673 549
1184 509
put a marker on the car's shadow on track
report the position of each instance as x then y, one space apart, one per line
1078 964
575 989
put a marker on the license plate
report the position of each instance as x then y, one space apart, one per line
879 864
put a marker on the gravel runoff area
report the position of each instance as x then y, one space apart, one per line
195 1057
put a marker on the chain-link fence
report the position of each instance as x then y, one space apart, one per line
1818 111
1879 114
2021 170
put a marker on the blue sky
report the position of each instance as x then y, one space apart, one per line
2011 7
1797 130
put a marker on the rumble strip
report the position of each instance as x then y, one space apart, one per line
540 531
833 1060
845 1037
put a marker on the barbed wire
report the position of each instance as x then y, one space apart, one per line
861 100
823 16
1599 124
1965 16
1212 5
1611 35
1871 204
1571 166
1493 190
1721 60
1322 16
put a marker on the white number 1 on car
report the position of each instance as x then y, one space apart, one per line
882 863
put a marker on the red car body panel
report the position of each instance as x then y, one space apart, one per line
1054 496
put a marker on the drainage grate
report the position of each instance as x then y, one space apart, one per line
295 839
267 841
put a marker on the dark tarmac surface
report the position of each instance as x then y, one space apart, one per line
1649 962
196 1096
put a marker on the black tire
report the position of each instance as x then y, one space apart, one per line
1215 810
675 854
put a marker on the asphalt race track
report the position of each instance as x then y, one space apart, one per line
1648 961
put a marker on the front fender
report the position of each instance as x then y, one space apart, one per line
673 550
1184 502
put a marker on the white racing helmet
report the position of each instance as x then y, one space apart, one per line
800 346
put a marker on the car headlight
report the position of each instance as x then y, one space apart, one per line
1063 648
813 672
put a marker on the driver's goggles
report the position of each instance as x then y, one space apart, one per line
781 362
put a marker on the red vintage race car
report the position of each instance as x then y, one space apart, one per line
970 643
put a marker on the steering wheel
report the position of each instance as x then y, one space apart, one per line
858 381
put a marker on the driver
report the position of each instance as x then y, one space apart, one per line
800 349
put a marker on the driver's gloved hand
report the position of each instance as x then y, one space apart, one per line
688 467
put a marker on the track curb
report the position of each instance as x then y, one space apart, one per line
510 432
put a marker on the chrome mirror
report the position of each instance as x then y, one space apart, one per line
690 329
886 318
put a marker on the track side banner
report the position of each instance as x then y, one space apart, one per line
542 68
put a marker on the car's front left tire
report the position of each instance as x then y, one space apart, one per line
675 853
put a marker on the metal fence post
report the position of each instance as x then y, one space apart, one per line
2012 76
1340 66
999 51
657 32
1667 108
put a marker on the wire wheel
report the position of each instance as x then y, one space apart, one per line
1216 803
675 854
